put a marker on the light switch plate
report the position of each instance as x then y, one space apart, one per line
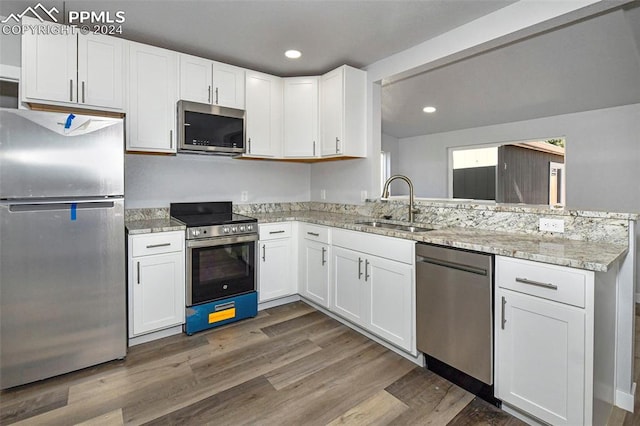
551 225
244 196
323 194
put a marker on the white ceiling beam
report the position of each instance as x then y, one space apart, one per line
509 24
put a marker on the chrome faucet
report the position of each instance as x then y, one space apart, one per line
385 192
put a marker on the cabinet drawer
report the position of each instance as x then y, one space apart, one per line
561 284
157 243
378 245
314 232
272 231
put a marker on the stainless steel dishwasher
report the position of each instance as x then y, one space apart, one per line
454 316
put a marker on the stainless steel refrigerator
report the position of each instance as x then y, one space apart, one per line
62 259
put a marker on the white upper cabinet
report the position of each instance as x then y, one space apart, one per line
343 112
153 95
195 79
228 86
209 82
301 138
263 120
66 68
100 71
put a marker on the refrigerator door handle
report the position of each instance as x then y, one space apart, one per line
57 205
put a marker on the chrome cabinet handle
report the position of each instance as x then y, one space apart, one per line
217 96
324 250
537 283
314 148
83 92
264 253
359 268
170 139
158 245
71 90
315 234
504 320
209 94
337 146
138 271
249 146
366 270
277 232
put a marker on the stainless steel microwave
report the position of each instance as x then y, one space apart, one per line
210 129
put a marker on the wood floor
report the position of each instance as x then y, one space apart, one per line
291 365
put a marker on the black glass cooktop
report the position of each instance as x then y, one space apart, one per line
207 213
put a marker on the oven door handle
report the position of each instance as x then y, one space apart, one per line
210 242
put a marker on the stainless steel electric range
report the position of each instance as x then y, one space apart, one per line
221 264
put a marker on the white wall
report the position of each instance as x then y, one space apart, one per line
155 180
602 163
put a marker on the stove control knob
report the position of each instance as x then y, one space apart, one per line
249 227
195 232
225 230
241 228
234 229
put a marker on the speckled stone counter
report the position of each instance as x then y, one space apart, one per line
148 226
588 255
146 221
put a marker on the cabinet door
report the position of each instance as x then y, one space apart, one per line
301 117
314 276
151 117
228 86
540 357
195 79
348 280
100 71
158 292
332 112
391 309
274 277
263 115
49 64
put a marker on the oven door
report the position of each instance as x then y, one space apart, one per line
220 267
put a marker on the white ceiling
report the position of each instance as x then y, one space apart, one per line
589 65
255 34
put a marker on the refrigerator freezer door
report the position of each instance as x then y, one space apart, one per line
62 288
51 155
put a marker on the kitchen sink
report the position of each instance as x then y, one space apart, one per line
395 226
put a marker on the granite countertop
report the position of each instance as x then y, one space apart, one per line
148 226
593 256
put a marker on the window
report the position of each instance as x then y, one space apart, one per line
385 167
530 172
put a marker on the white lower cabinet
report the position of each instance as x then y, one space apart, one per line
554 341
156 282
349 292
313 281
374 288
276 270
542 358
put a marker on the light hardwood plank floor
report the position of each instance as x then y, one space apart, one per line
291 365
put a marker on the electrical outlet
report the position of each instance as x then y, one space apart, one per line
551 225
244 196
323 194
363 195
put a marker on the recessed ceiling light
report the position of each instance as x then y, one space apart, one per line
292 54
429 109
